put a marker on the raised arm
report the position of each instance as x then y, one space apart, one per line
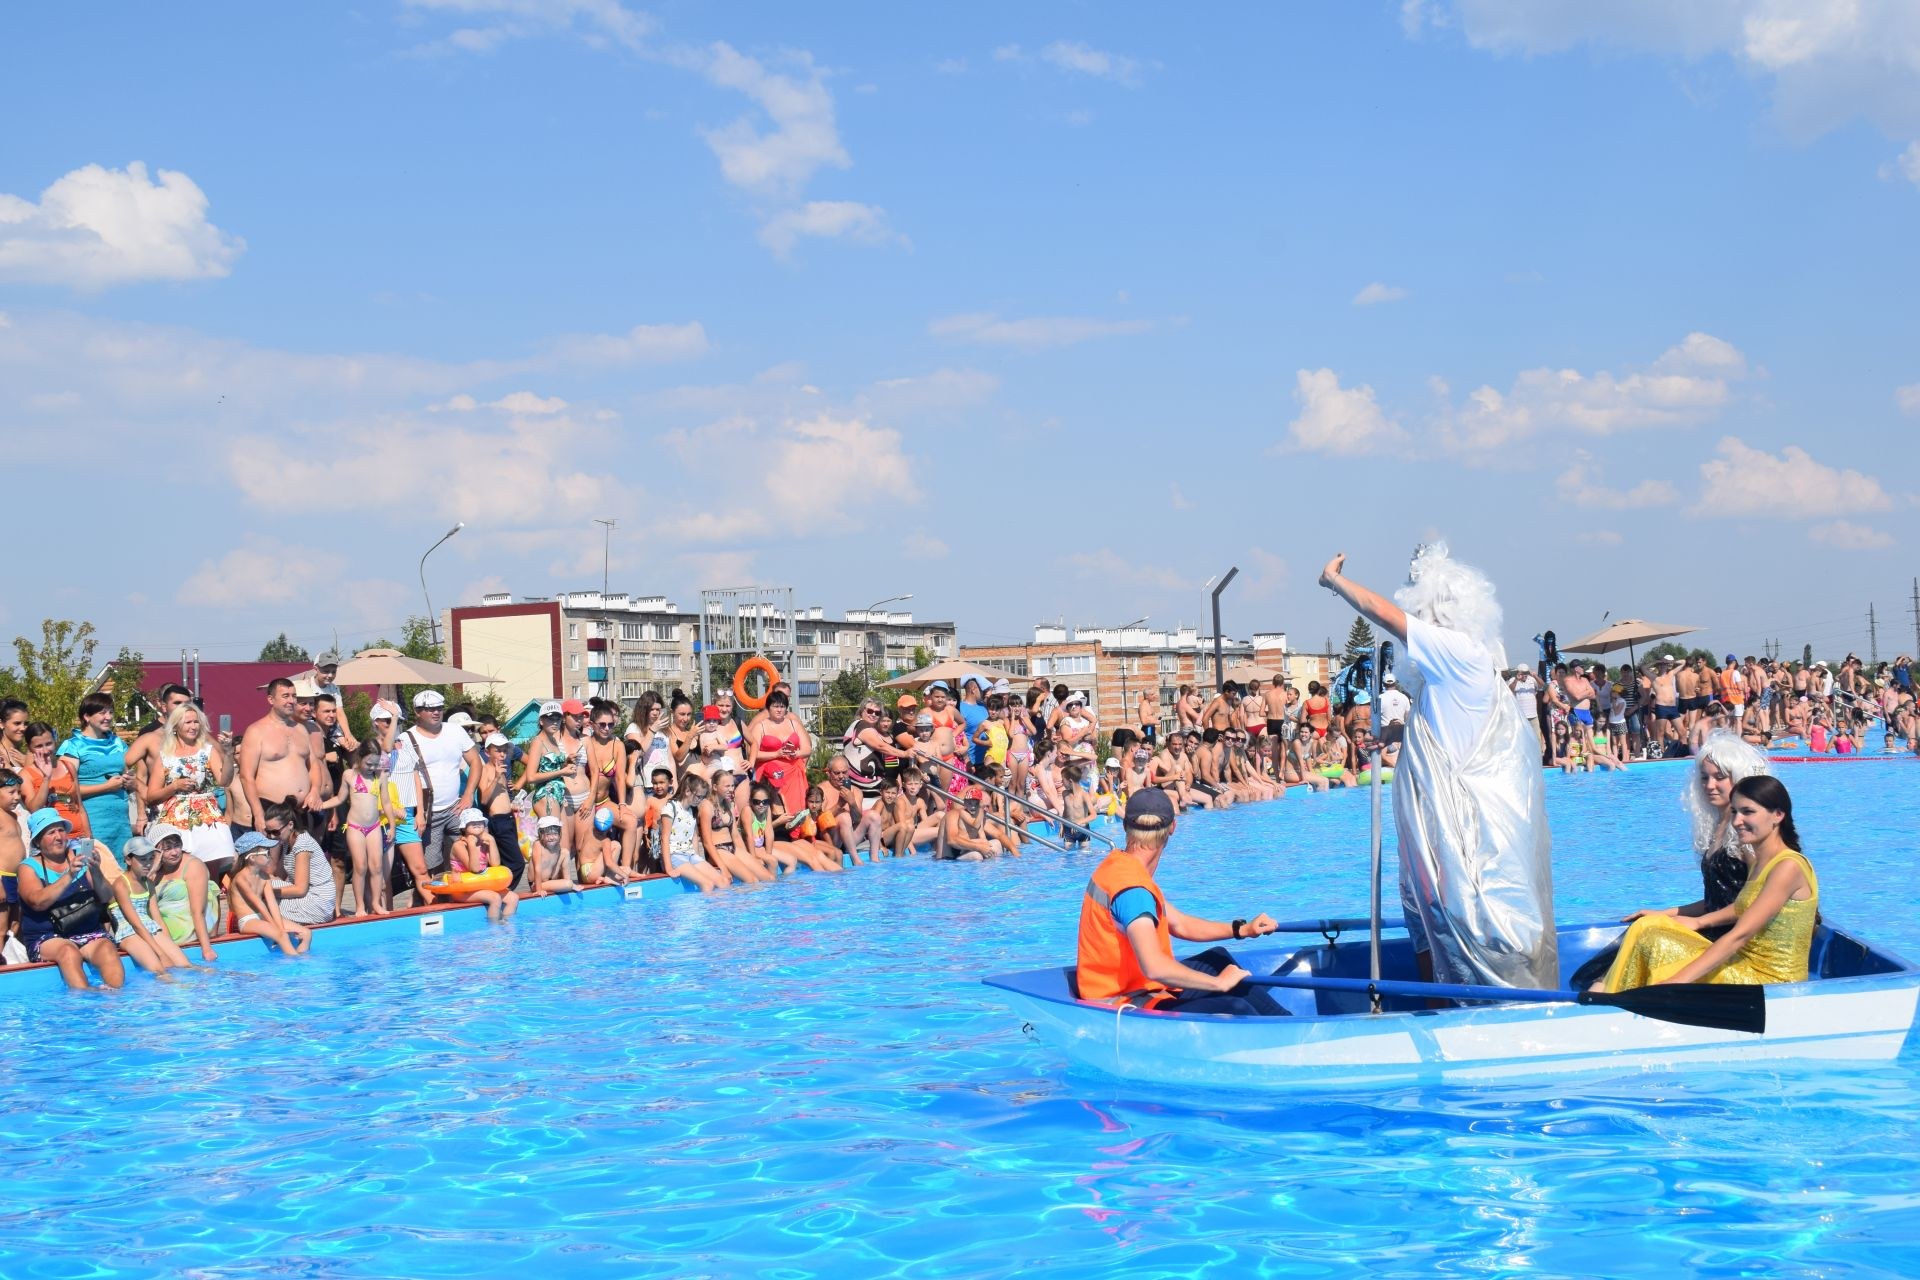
1371 605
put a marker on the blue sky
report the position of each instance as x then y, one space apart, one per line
1032 311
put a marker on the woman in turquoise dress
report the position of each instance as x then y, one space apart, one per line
100 759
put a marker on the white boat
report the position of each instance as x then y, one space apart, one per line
1859 1007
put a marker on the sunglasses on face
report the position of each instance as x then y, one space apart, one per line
273 833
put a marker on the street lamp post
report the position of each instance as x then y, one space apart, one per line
1125 690
1219 664
869 612
433 620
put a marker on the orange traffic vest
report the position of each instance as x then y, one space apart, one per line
1108 968
1731 691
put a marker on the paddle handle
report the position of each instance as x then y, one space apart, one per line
1336 924
1424 990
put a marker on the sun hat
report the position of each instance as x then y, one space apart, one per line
162 830
550 822
460 719
468 817
1149 809
40 821
380 712
429 698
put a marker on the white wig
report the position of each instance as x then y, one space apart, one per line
1457 596
1733 756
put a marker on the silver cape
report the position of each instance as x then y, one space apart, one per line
1476 858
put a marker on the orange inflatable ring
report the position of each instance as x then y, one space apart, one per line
747 668
461 884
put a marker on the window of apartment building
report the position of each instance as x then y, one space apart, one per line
1013 666
666 631
631 630
806 639
579 691
803 661
829 664
851 638
1064 664
666 663
573 662
943 644
573 631
1170 662
630 689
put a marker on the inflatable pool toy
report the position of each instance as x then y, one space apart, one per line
1366 775
459 885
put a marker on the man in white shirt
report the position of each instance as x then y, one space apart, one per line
1394 705
1476 876
1526 700
428 761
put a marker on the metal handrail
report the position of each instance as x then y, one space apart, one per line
1063 822
949 800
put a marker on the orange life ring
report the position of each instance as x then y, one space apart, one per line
747 668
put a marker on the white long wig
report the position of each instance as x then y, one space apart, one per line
1457 596
1733 756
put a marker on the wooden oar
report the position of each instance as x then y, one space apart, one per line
1732 1007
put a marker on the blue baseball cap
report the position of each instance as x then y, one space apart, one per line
974 678
1731 658
41 821
251 842
1149 809
941 685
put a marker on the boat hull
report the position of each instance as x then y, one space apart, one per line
1333 1042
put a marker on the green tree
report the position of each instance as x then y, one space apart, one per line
123 679
1806 655
490 705
840 700
52 676
281 649
1360 639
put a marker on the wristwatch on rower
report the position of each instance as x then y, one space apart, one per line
1238 925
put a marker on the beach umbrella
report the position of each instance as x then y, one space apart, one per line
1625 634
953 671
390 666
1248 672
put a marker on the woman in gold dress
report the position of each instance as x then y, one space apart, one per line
1772 920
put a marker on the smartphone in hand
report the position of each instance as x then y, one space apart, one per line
226 724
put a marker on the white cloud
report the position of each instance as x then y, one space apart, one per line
596 22
99 227
264 571
779 161
1377 293
951 66
1825 60
1908 398
1072 55
828 219
1109 567
1905 165
1416 16
943 391
1343 421
642 344
1580 485
1844 535
1033 333
522 402
1598 538
921 545
1688 384
1744 481
1009 53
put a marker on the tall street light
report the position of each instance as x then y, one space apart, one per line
1219 666
433 619
869 612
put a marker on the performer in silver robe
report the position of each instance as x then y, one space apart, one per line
1476 874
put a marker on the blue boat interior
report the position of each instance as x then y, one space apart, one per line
1835 954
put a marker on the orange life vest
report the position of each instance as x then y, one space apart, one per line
1108 968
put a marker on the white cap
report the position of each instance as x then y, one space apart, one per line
730 765
551 822
498 740
551 707
1113 762
460 718
305 689
1388 678
1075 696
429 698
381 711
161 830
470 816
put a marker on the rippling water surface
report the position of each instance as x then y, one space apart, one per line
807 1079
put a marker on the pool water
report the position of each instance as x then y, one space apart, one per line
807 1079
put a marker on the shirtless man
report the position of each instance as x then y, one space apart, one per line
1149 714
967 836
1183 762
846 815
1692 681
1666 706
1163 770
1580 699
1205 763
277 758
141 754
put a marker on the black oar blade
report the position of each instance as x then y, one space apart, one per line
1732 1007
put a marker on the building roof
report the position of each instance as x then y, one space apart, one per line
227 688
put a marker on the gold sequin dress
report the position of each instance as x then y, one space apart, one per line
1656 947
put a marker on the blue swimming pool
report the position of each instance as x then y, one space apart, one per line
807 1079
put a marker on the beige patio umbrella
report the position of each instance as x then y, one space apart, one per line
1248 672
1625 634
953 671
390 666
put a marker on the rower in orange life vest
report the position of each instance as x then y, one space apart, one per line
1127 927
